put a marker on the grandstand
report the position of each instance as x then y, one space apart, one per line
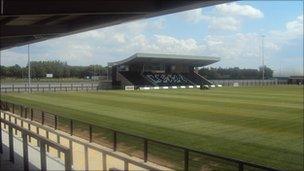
146 70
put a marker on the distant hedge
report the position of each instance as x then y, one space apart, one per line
235 73
59 69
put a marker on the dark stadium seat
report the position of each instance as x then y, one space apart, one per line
136 78
197 79
161 79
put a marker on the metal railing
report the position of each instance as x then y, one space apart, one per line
48 87
164 154
43 142
252 82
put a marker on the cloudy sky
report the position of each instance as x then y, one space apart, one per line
231 31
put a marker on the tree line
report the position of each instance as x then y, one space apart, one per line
59 69
236 73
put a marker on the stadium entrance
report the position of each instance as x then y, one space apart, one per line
143 70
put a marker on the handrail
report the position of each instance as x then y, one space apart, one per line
241 163
43 141
83 142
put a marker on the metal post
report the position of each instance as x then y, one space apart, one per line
104 161
21 111
32 114
241 166
16 124
42 156
263 65
71 150
71 127
67 160
186 160
114 141
145 150
25 112
11 144
25 153
42 118
58 141
4 119
1 148
90 129
86 158
47 136
29 67
13 108
56 120
126 166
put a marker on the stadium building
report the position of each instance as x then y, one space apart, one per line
160 70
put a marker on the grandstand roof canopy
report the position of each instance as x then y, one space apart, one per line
195 61
28 21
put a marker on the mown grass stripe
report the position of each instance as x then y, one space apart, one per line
258 124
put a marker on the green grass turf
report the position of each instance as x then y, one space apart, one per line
257 124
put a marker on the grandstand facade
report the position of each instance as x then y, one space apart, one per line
147 70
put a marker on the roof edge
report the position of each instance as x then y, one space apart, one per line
164 56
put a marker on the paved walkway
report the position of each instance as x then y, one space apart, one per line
34 157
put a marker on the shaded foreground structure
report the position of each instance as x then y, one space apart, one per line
23 22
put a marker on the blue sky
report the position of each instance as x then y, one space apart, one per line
230 31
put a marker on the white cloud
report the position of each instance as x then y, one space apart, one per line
224 23
293 30
226 18
92 34
193 16
295 26
235 9
235 46
10 58
119 37
173 45
79 51
214 22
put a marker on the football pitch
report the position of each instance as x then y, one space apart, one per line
263 125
